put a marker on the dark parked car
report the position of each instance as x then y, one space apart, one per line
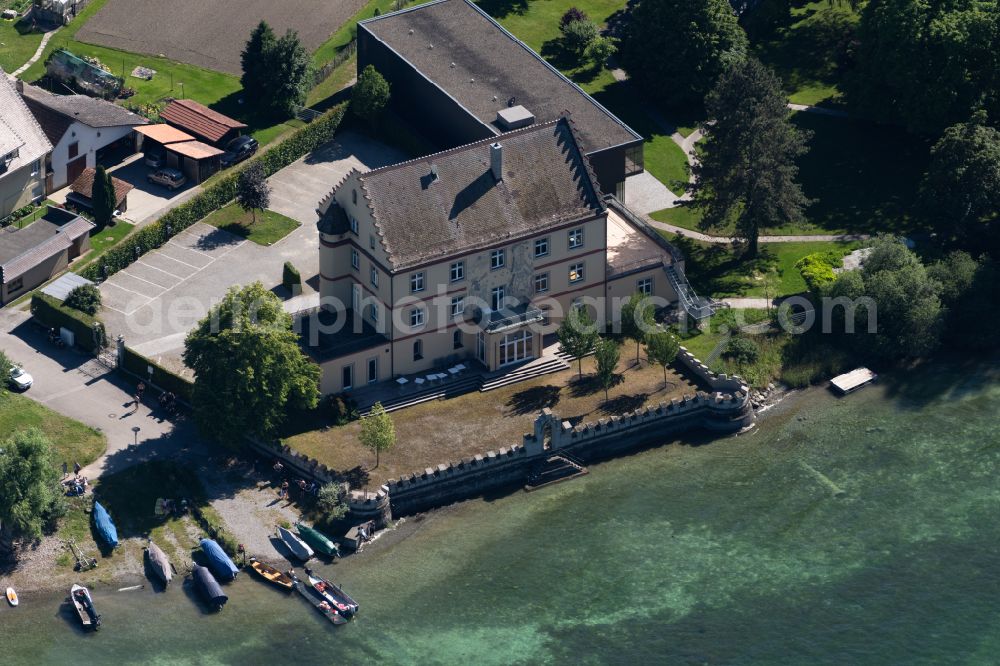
155 160
238 150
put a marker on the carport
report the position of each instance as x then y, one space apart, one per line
194 159
153 138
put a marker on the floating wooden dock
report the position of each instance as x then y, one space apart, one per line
853 380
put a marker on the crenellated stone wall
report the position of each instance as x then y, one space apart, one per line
725 409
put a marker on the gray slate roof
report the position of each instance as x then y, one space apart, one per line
547 182
470 46
23 249
18 128
89 111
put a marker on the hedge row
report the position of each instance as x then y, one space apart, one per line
166 380
301 143
52 313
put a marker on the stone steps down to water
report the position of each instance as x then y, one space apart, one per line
555 469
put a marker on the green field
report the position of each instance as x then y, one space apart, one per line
71 440
269 228
16 47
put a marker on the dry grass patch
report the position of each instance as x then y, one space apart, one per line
443 430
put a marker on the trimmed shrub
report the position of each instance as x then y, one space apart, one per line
742 351
53 314
343 409
817 268
290 278
153 236
165 379
85 298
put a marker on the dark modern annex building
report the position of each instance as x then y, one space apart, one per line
461 77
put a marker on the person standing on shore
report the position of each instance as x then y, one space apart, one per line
76 468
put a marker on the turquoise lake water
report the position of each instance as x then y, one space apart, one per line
856 530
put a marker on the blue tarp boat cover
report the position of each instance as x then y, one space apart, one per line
209 586
105 527
218 561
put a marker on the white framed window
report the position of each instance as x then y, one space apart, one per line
498 299
541 247
576 272
458 271
417 282
576 238
418 350
456 339
373 370
644 286
457 306
347 377
541 283
416 317
374 276
355 297
354 225
497 259
373 313
355 259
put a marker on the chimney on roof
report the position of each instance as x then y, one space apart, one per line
496 161
434 174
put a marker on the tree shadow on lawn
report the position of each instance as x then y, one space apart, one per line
623 404
534 399
499 9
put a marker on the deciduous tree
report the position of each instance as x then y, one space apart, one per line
29 486
662 348
606 354
637 320
677 49
962 184
599 50
252 191
85 298
579 34
747 170
378 432
577 334
249 369
371 94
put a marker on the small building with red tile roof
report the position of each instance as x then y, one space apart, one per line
204 123
82 191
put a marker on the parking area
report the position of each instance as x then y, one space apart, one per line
155 301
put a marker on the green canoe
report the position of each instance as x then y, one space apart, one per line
319 541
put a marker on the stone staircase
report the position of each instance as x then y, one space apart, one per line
447 389
536 368
555 468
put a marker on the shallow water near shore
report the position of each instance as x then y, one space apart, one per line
853 530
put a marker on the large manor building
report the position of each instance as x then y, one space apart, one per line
473 255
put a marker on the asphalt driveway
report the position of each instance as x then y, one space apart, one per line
154 302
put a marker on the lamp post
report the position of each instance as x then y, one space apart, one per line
135 433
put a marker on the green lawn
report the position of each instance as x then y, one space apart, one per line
804 48
338 40
715 269
269 228
71 440
104 240
16 47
